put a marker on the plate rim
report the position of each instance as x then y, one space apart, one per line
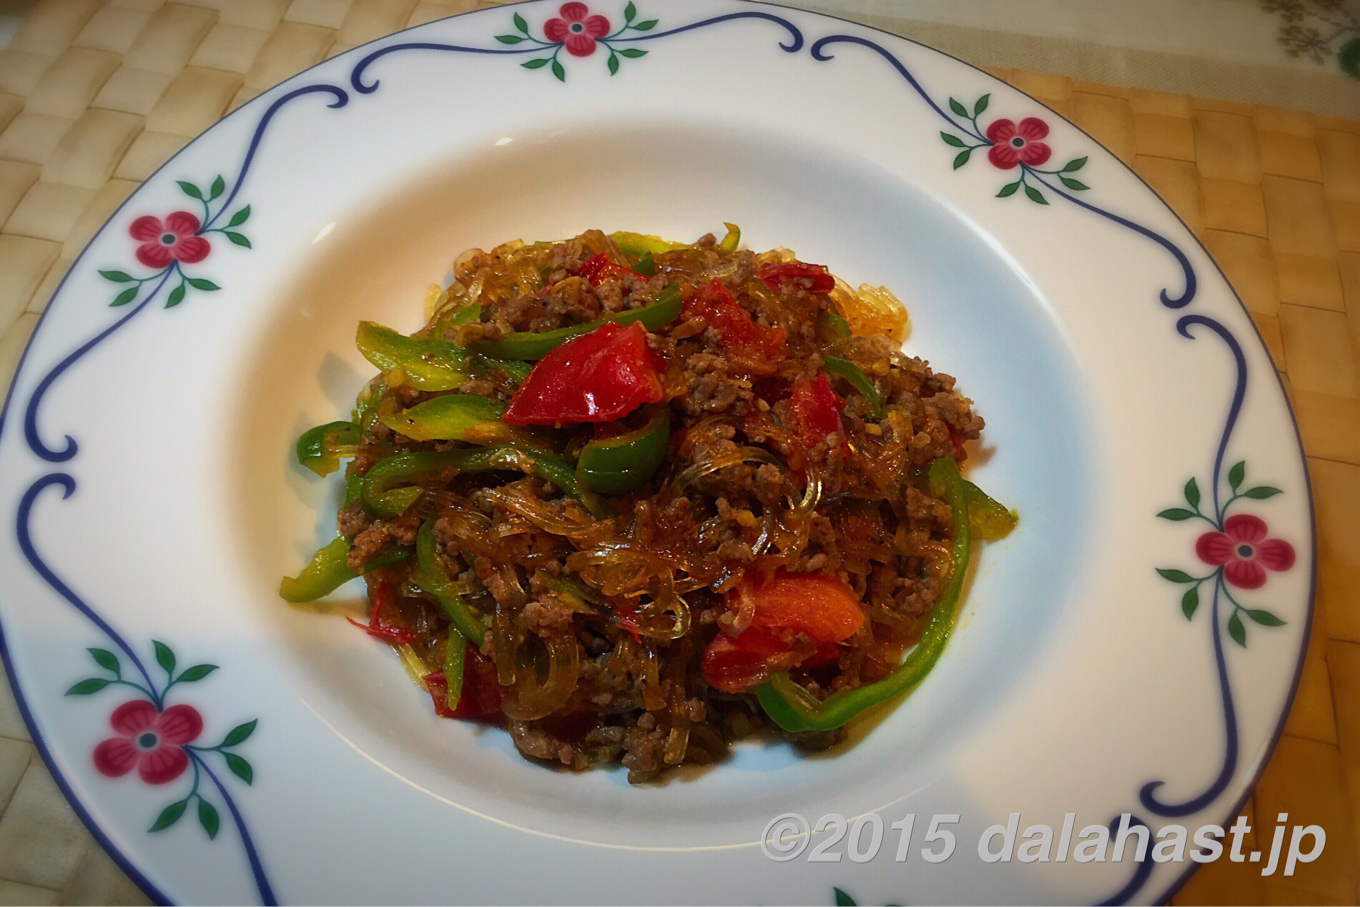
260 102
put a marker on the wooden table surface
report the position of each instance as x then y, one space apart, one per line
96 94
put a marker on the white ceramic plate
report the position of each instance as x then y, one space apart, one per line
145 471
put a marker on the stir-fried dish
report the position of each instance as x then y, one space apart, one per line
634 499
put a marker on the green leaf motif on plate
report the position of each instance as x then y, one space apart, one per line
195 674
1192 493
157 241
584 43
192 755
208 818
1009 149
1263 617
164 656
239 767
86 687
105 659
1190 602
169 816
1236 547
239 734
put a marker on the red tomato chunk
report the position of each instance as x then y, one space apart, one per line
713 304
823 609
816 410
598 377
482 693
813 278
599 268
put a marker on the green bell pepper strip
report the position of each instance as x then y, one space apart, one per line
390 503
641 243
316 447
354 489
453 417
454 657
380 497
624 462
551 468
434 579
987 518
480 365
328 571
793 708
389 558
831 326
429 364
858 380
379 494
513 369
365 412
731 240
565 585
527 345
646 265
465 315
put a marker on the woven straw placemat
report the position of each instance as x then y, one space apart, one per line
96 94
